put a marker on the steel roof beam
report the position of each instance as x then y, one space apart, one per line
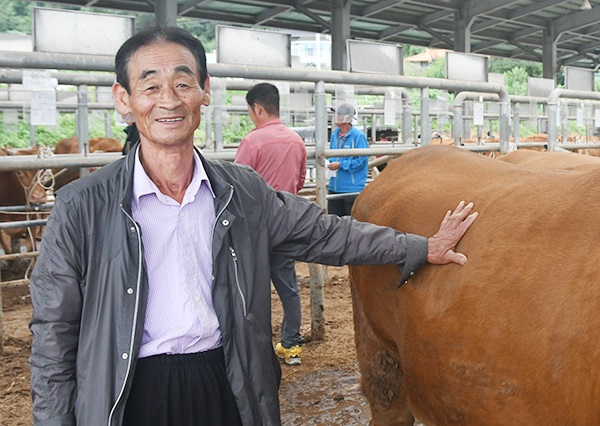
577 20
378 7
190 5
325 24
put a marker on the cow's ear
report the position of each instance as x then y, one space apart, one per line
121 99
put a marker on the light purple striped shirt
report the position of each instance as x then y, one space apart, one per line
180 317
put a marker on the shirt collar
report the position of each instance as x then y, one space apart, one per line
269 123
143 185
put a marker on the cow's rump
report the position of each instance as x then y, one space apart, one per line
512 337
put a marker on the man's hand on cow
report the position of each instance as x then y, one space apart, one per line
453 227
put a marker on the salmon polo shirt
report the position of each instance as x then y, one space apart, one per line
177 238
277 153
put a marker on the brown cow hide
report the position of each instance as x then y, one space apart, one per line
19 188
71 146
510 338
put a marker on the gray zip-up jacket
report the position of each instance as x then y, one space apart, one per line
89 288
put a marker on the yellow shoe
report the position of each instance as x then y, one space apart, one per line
291 356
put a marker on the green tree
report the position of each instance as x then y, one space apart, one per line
437 68
515 81
15 16
504 65
203 30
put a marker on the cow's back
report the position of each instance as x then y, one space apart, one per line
551 160
512 337
71 146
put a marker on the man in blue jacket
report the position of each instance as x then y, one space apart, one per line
350 172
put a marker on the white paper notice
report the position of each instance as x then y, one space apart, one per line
558 114
329 173
389 112
597 118
478 113
579 117
43 108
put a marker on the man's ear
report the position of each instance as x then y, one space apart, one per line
259 110
206 90
121 99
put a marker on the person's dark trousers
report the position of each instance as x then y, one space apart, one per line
341 206
181 390
283 275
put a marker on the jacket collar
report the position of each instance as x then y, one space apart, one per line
129 165
220 187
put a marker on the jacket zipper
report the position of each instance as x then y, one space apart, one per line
233 255
237 281
135 315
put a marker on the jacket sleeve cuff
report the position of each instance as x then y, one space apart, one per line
416 256
66 420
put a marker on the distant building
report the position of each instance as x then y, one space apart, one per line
425 58
311 50
16 42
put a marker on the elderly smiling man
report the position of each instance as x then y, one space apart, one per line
151 294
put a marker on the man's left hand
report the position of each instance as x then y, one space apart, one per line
453 227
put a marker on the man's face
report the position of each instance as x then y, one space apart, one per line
165 94
340 120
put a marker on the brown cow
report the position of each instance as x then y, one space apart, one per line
71 146
512 337
551 160
19 188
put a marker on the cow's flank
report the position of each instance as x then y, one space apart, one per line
510 338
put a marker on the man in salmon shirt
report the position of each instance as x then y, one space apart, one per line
278 154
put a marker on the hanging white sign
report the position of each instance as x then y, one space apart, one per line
580 117
389 112
478 113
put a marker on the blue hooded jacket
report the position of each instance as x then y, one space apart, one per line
352 174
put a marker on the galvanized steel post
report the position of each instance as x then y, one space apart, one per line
107 124
406 119
516 123
317 272
504 123
457 123
81 118
552 123
425 126
565 123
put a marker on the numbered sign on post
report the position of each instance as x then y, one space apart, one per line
478 113
580 117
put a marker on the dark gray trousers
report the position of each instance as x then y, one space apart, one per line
283 275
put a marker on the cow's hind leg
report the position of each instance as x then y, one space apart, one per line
381 377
